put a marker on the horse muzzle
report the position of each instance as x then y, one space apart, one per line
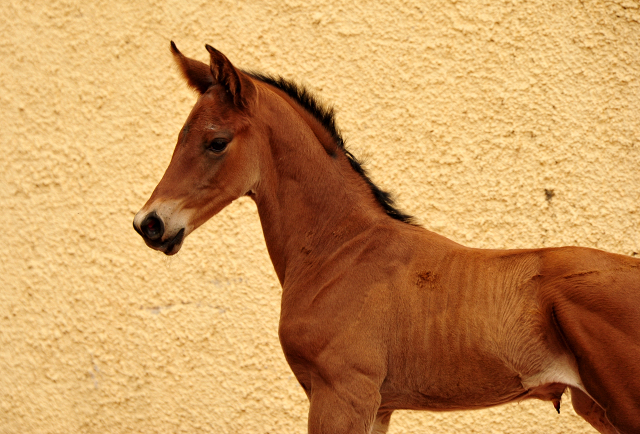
151 228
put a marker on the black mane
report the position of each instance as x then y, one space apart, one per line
326 117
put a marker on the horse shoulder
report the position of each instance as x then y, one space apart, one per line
345 300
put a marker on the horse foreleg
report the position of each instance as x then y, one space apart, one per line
591 412
341 409
381 424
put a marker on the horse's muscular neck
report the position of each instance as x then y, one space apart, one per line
310 203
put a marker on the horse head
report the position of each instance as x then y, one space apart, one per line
215 159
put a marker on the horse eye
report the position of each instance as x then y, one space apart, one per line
217 145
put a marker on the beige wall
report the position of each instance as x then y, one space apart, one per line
468 110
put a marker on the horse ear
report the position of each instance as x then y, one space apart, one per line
234 81
197 74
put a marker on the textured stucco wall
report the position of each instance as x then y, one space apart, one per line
497 123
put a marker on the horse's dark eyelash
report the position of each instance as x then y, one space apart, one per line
212 145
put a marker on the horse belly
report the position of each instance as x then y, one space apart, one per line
480 383
467 363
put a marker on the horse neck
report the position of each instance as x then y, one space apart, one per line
310 202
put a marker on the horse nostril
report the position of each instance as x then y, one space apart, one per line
152 227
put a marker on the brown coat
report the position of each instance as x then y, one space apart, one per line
379 314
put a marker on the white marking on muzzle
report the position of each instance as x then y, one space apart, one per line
173 216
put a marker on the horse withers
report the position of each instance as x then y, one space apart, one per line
379 314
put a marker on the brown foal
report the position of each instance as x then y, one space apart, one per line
379 314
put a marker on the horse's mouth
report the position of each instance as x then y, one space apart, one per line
170 246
